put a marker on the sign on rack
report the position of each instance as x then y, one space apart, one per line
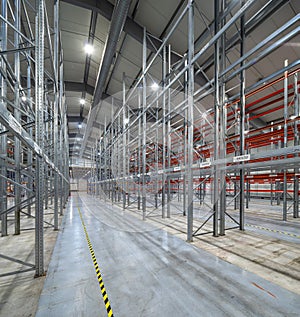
241 158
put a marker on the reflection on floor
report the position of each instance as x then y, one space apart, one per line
150 272
149 269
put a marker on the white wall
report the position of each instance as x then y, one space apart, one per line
82 185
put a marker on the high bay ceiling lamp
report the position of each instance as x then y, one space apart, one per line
89 49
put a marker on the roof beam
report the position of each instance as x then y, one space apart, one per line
75 135
75 119
105 8
78 119
90 41
79 87
88 58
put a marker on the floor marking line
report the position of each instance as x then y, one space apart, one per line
274 230
271 230
99 277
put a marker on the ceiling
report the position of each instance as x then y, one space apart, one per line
89 21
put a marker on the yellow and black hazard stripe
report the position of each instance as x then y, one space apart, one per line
98 273
274 230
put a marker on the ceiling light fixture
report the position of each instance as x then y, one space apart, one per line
82 101
155 86
79 125
126 120
23 98
89 49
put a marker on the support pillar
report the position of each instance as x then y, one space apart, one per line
285 141
17 114
190 96
144 126
3 138
242 123
39 102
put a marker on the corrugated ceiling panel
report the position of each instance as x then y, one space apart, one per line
73 71
76 54
155 14
74 19
132 50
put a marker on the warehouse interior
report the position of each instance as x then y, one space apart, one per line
151 147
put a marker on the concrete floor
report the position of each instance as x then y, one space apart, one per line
149 270
19 293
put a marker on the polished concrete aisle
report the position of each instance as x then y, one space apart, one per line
147 272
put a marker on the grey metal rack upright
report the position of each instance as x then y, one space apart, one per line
29 116
177 121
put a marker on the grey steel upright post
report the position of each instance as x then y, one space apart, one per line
139 148
156 157
144 126
3 137
100 168
127 152
185 147
124 143
223 116
163 192
236 173
285 141
97 169
119 169
216 123
189 170
61 159
242 123
296 142
66 158
169 141
56 105
39 102
60 135
51 154
46 170
105 160
29 153
17 114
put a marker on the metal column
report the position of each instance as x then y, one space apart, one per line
55 112
60 140
169 140
296 142
39 102
163 179
285 140
190 122
124 143
17 114
223 124
216 123
3 137
29 153
242 123
144 126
